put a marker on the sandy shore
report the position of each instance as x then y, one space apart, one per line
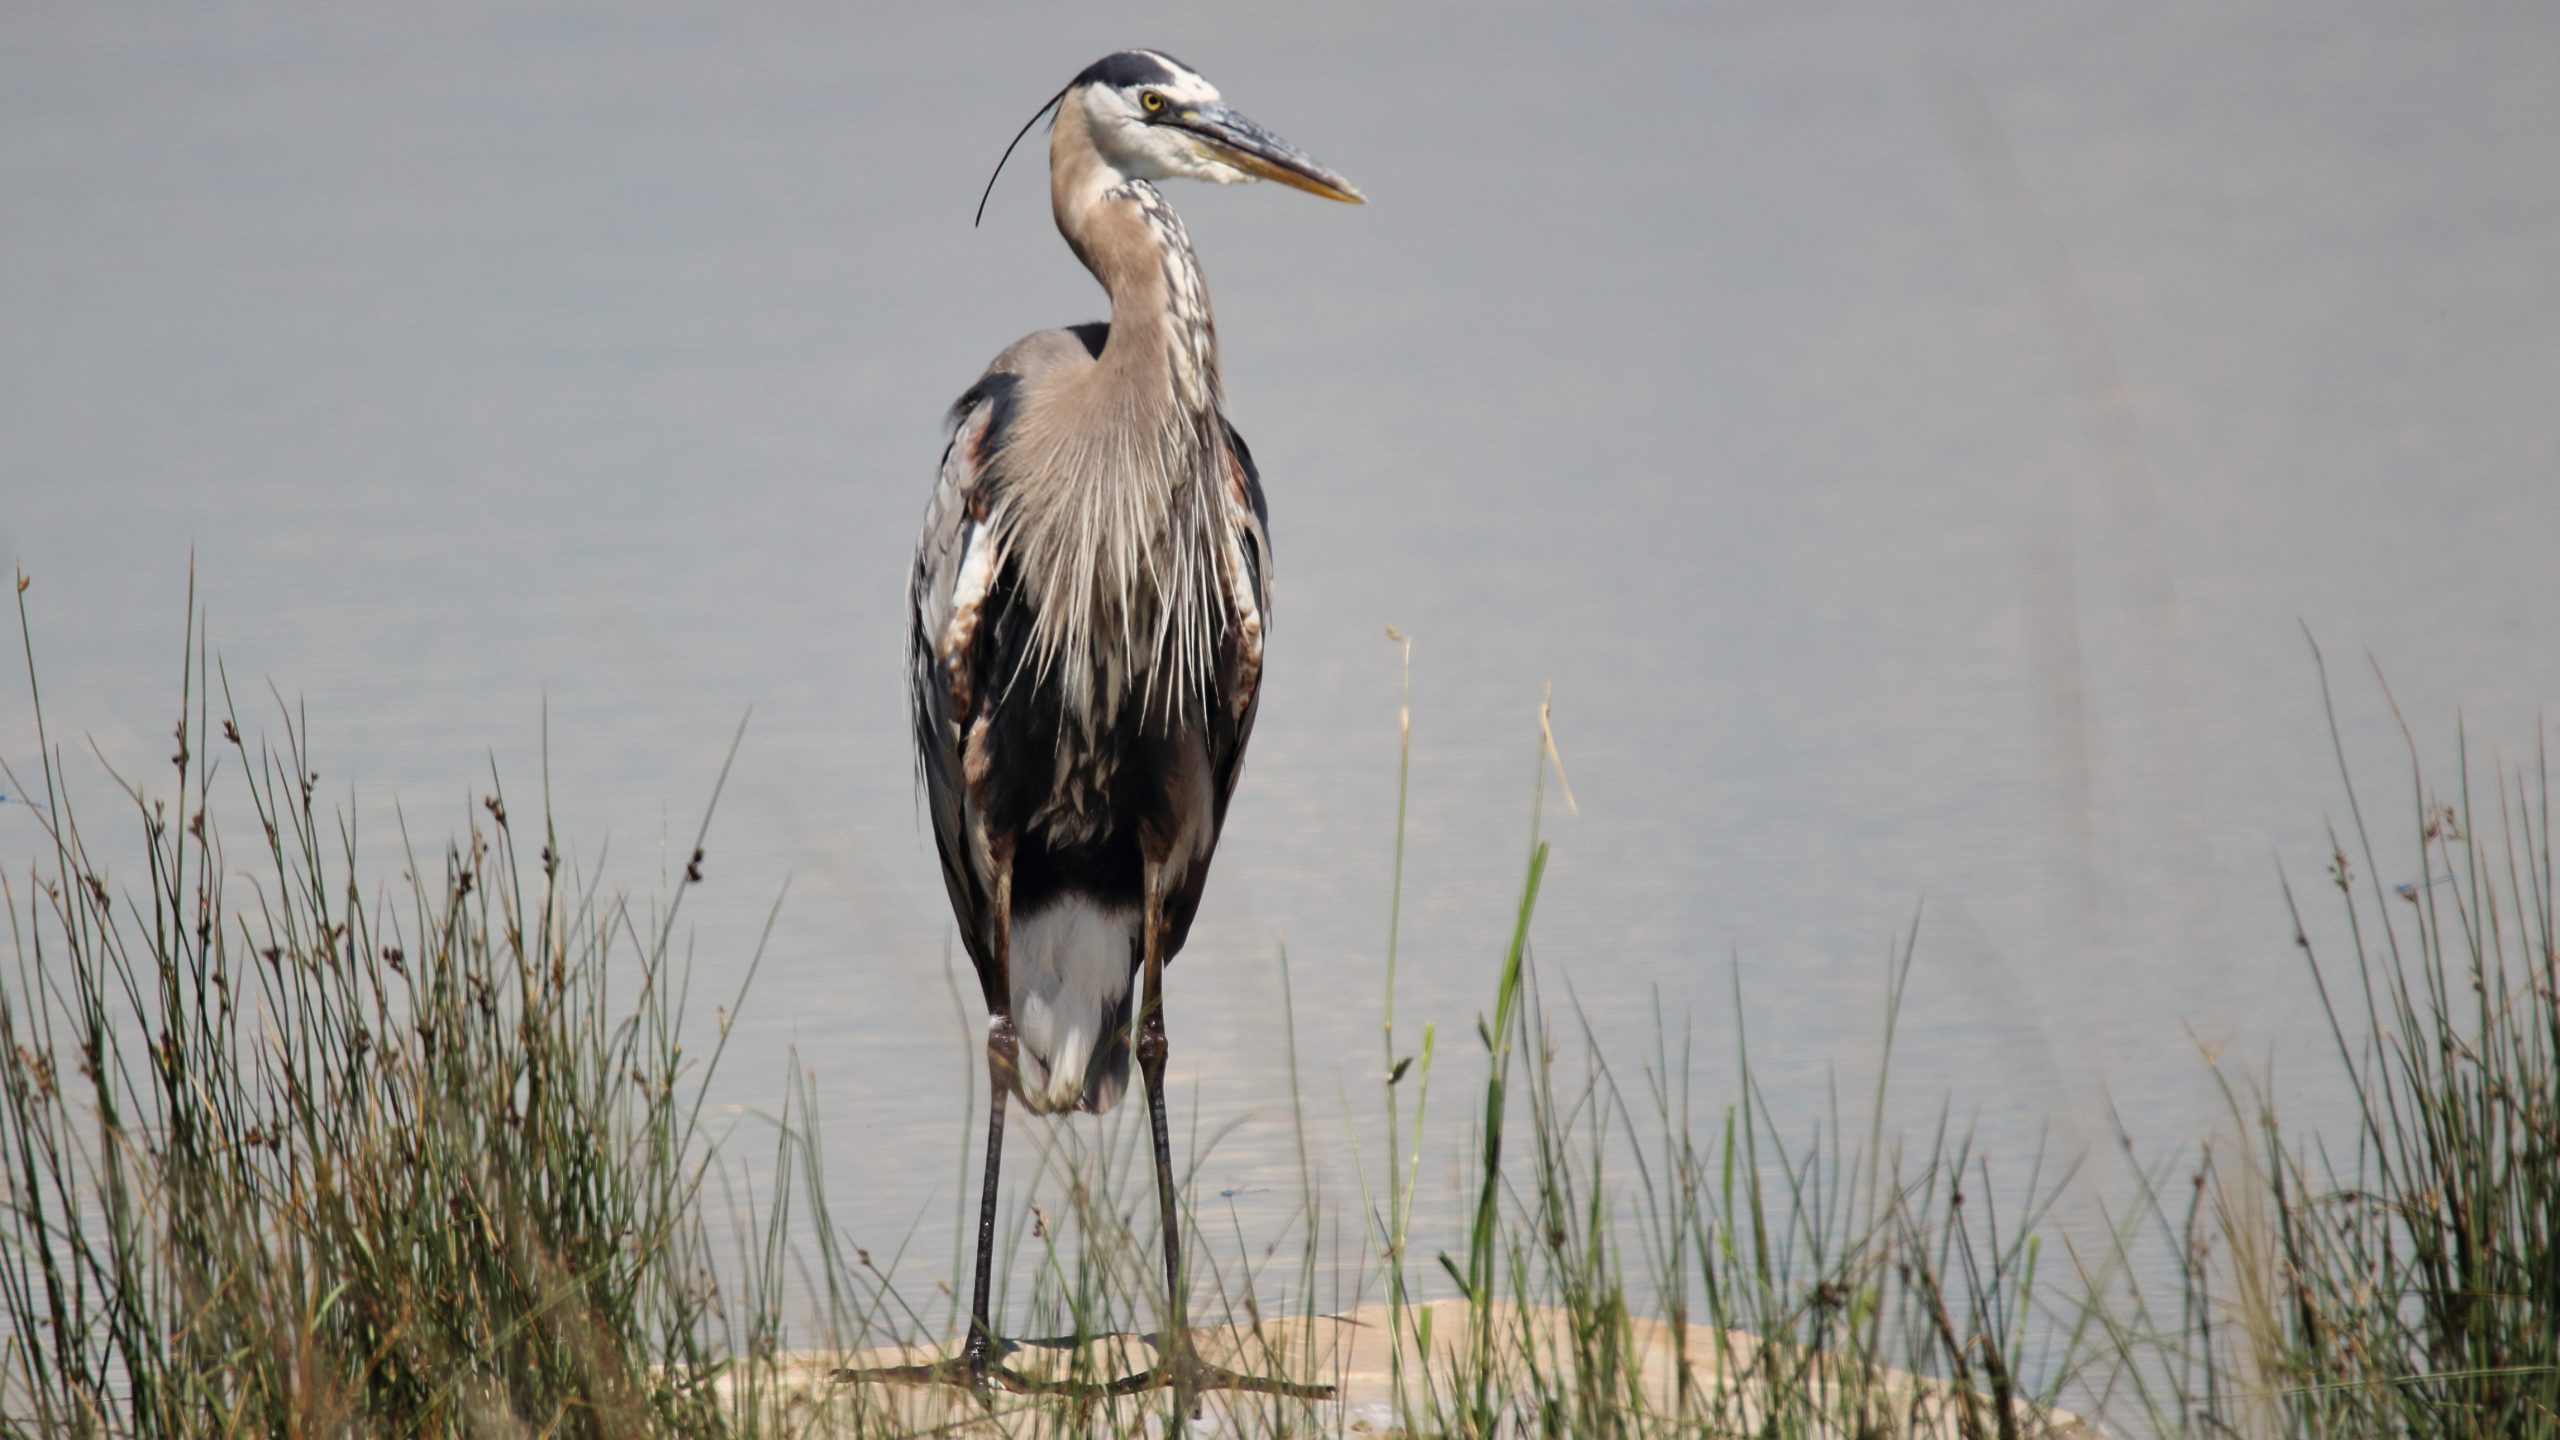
1727 1370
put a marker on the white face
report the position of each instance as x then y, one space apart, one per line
1127 124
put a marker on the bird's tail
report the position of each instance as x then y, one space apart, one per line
1106 1074
1079 1070
1071 1007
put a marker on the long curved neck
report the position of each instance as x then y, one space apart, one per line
1130 238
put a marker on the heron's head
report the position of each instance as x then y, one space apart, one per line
1153 117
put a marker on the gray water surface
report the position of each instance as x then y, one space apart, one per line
1910 443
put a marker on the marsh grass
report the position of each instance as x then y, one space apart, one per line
286 1156
305 1138
2404 1278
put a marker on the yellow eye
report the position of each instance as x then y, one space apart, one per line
1152 100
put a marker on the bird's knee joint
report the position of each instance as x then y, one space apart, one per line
1151 1045
1002 1043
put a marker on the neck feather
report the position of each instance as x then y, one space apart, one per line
1121 533
1164 335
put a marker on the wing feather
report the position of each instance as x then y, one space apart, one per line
1248 611
957 603
1246 572
955 560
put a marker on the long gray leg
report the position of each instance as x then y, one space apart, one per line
1176 1346
1002 1054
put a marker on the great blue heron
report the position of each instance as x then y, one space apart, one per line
1090 596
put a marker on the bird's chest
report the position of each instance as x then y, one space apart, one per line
1106 647
1078 748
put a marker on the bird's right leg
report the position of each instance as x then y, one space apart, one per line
1175 1347
1002 1053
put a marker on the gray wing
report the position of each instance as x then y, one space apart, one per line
1245 571
1248 610
951 597
954 562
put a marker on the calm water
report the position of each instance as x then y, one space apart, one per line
1910 445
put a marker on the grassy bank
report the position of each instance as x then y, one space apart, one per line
308 1133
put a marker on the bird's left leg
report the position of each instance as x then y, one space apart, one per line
1175 1346
980 1360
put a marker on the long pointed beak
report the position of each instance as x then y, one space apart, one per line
1256 151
